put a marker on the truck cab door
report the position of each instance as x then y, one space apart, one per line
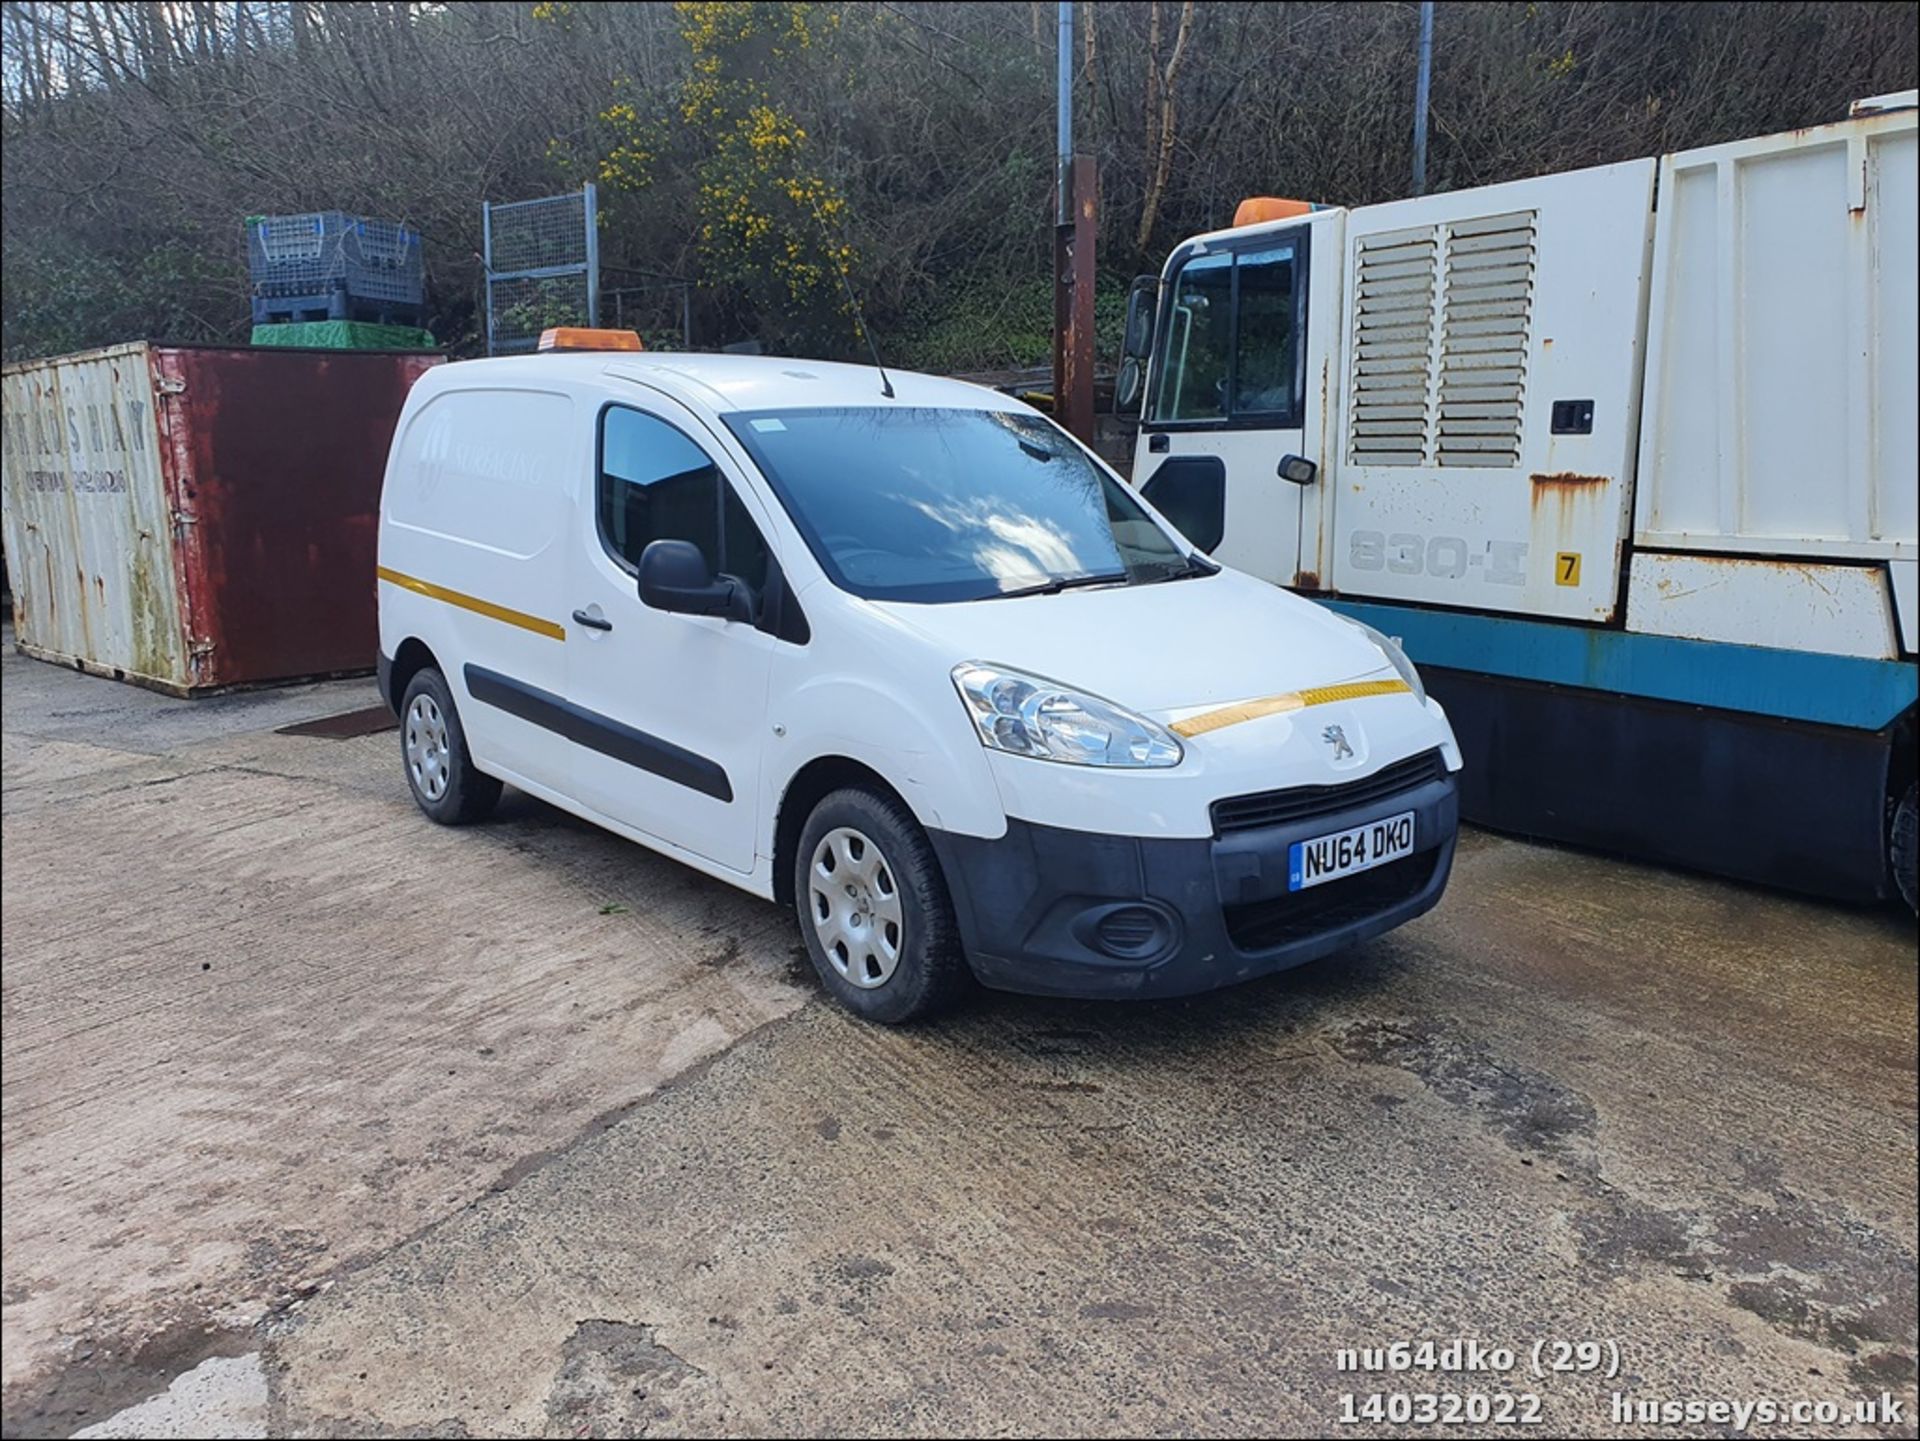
1227 401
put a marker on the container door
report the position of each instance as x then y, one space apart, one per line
277 459
90 534
669 710
1492 392
1226 399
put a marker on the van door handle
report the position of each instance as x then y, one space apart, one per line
591 622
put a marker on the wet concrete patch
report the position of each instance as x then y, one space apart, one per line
615 1379
1530 1111
104 1374
367 721
224 1396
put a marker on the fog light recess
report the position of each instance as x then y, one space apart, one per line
1129 932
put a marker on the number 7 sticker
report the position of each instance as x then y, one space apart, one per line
1566 568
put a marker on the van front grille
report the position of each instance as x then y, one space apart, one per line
1296 803
1265 925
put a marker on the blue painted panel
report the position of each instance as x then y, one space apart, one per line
1792 684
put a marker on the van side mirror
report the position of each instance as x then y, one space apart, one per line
674 577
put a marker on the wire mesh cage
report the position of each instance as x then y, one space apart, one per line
536 234
523 306
542 266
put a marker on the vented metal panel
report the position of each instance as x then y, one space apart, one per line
1394 276
1483 339
1440 343
1295 803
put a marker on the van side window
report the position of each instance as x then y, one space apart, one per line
656 484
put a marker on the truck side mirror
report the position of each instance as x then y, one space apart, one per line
1296 468
1130 382
1138 342
674 577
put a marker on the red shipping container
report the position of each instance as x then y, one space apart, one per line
196 518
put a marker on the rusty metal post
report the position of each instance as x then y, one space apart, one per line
1074 209
1073 270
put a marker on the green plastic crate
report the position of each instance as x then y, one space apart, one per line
344 335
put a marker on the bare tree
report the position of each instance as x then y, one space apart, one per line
1161 87
139 136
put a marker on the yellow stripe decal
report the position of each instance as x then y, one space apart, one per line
473 603
1233 715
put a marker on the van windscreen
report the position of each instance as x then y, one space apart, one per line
922 504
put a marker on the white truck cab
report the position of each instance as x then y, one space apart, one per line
905 656
1625 457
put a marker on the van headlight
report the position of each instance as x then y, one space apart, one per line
1396 656
1028 716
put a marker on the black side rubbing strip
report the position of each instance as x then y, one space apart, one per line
598 732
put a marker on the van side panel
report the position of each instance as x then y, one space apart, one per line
473 522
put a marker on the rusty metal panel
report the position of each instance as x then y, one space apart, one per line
88 529
196 518
277 458
1758 600
1779 414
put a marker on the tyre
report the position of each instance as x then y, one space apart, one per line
1906 848
433 751
874 911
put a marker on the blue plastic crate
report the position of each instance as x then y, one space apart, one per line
334 304
295 257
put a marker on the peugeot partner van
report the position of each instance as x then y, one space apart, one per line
900 653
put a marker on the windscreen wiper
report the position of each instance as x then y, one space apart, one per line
1187 568
1065 582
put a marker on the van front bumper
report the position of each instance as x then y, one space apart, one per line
1055 912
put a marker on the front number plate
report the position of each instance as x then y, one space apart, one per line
1327 858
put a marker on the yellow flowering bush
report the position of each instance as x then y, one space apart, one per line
766 216
765 222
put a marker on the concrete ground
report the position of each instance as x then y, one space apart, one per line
321 1120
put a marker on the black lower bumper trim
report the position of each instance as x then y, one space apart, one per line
1029 903
1781 803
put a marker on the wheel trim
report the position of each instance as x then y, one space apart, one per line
428 750
853 900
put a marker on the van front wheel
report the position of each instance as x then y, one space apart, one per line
874 911
433 750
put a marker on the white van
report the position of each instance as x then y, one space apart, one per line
902 654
